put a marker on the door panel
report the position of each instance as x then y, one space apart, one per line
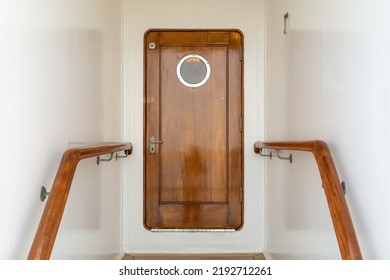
193 157
193 178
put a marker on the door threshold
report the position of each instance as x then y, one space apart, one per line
221 256
191 230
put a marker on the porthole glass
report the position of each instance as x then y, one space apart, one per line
193 70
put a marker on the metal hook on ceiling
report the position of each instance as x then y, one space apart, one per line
285 23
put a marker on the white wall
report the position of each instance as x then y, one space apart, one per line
328 78
60 82
247 16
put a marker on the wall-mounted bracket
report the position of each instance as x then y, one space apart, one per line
99 159
117 156
290 158
44 193
344 187
270 155
265 155
124 156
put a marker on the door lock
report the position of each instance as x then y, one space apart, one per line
152 144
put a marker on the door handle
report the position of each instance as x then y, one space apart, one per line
152 144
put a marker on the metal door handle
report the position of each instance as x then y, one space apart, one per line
152 144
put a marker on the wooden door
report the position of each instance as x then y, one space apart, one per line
193 148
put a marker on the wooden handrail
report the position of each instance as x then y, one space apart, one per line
51 218
342 222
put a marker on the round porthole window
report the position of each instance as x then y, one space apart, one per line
193 70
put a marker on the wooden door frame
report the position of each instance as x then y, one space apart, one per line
145 140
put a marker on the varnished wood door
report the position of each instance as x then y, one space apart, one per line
193 173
